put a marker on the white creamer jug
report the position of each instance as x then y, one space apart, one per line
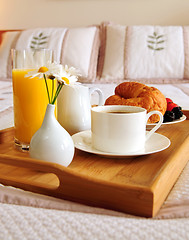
74 107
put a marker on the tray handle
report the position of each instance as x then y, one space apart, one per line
34 165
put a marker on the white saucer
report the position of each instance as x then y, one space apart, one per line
150 125
155 143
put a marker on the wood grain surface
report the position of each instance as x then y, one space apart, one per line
137 185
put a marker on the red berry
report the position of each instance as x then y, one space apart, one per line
169 100
171 105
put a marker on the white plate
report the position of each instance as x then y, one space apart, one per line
155 143
167 123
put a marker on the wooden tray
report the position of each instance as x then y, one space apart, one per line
137 185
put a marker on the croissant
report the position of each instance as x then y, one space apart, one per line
140 95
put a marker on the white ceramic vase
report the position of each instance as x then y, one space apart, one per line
52 142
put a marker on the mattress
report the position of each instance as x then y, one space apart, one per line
26 215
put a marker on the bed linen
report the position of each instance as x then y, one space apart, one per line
26 215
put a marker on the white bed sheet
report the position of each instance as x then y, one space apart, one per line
25 215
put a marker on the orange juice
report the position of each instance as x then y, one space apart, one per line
30 102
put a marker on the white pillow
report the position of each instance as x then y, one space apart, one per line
80 50
37 38
77 47
114 56
149 54
155 52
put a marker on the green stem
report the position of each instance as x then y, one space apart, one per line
52 90
57 92
47 88
61 85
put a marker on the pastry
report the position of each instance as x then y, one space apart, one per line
140 95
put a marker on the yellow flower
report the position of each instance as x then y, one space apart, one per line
66 80
43 69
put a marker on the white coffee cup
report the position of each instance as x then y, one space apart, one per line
121 129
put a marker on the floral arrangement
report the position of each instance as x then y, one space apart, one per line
54 71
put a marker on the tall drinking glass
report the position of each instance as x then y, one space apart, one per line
29 94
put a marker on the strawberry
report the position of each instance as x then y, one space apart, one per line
171 105
169 100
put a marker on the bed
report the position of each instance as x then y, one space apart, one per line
27 215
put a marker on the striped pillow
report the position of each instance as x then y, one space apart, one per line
149 54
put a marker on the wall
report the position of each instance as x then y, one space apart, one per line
20 14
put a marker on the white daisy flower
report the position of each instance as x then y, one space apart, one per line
52 69
71 71
64 75
68 75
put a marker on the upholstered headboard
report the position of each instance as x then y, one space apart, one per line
4 31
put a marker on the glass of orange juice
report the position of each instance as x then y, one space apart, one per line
29 94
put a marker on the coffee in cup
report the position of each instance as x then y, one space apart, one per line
121 129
